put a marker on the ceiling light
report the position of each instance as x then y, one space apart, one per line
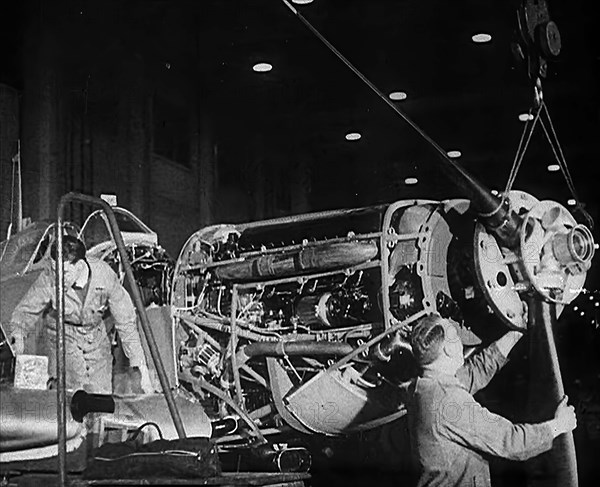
523 117
553 167
481 38
302 2
571 202
262 67
410 181
353 136
454 154
397 95
494 192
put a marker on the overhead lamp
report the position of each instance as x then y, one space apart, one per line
481 38
571 202
398 95
494 192
353 136
524 117
262 67
411 181
553 167
454 154
302 2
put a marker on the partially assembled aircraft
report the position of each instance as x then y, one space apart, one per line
301 323
23 256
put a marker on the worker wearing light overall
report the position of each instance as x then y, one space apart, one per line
92 289
451 433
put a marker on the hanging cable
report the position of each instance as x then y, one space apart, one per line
562 162
541 110
521 149
559 157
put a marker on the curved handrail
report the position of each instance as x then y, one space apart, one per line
60 308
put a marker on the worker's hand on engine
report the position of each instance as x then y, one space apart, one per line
564 418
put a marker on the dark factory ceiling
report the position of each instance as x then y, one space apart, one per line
466 96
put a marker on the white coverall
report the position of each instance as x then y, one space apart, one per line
87 332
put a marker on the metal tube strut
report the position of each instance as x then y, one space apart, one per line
61 379
139 304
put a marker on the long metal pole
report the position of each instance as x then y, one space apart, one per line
559 466
564 449
137 300
61 390
139 304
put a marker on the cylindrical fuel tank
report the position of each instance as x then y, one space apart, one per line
28 420
318 258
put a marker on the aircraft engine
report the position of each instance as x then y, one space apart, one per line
303 321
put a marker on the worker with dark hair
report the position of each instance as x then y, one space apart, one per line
451 433
73 250
92 290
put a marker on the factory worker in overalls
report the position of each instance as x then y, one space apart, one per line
92 289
